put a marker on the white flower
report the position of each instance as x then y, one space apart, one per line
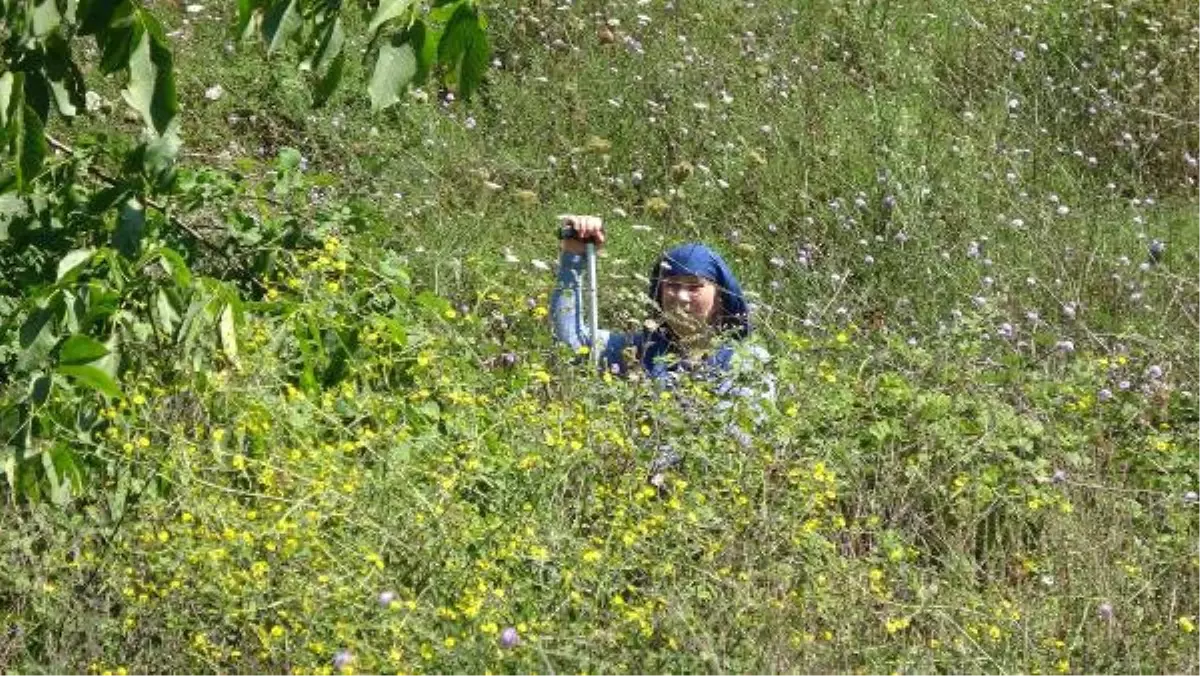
540 265
212 93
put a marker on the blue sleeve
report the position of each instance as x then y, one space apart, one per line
566 314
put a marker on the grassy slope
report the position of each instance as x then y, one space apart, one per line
896 512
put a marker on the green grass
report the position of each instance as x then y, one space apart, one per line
925 495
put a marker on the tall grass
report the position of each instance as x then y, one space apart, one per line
969 232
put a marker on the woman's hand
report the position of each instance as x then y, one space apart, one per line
586 228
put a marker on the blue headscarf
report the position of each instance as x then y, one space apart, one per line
700 261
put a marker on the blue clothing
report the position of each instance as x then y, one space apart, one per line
653 349
730 367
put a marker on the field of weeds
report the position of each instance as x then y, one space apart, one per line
968 443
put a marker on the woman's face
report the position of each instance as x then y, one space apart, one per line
689 303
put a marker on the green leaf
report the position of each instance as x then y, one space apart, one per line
455 36
9 83
329 81
228 333
157 159
44 18
72 261
27 142
475 61
131 225
174 264
282 21
37 94
287 160
245 20
333 39
387 10
117 43
166 316
425 49
40 388
93 377
64 77
62 468
151 88
394 69
94 16
80 349
36 338
464 39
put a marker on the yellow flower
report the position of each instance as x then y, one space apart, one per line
1186 624
449 642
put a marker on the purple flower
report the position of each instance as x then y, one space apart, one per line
1105 612
342 659
1104 394
889 202
509 638
1060 475
1005 330
1154 372
1065 346
1123 385
386 598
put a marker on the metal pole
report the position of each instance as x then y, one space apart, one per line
591 259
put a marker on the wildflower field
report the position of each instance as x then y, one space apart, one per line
296 408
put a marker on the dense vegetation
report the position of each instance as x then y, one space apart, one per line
278 394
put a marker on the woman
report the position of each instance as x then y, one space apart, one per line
703 311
